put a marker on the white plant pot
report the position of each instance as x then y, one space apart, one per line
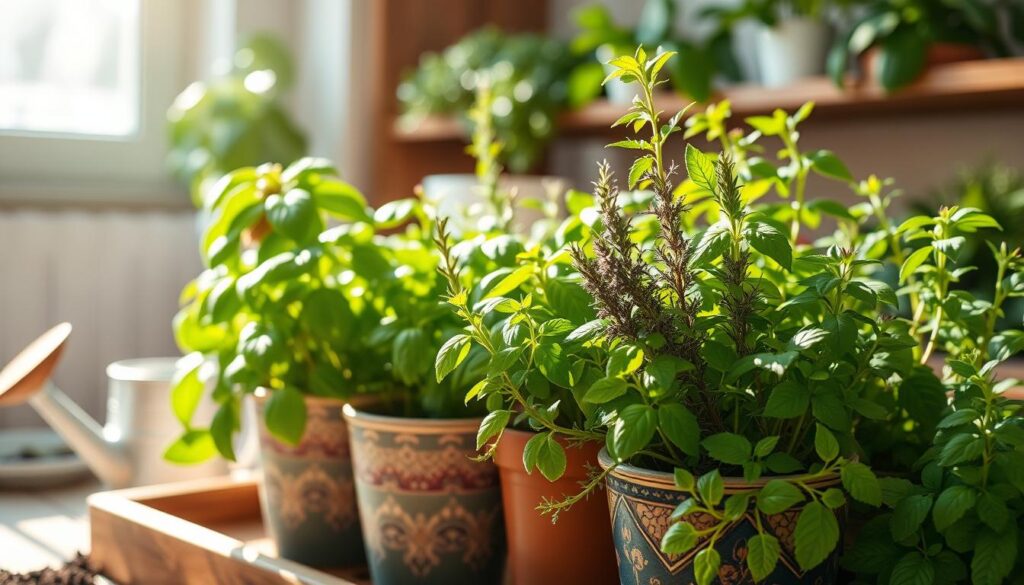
619 92
458 197
792 49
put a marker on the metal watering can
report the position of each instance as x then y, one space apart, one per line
128 451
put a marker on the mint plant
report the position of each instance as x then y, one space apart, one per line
959 520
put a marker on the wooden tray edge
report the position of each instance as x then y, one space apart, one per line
115 515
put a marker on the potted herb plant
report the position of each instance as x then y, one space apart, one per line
896 41
235 120
793 40
527 73
734 377
430 512
540 432
278 313
309 318
601 40
956 519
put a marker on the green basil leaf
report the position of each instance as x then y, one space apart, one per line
701 168
728 448
952 504
633 430
705 566
711 487
825 443
777 496
913 569
192 447
285 415
680 426
680 538
860 481
762 555
788 400
451 354
817 534
294 215
605 390
492 426
908 515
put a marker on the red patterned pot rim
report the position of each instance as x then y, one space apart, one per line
428 426
666 481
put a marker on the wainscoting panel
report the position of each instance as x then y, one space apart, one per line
114 275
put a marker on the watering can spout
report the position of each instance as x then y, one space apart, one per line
27 378
104 454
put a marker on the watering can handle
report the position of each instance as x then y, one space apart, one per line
24 375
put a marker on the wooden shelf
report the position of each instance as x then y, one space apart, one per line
956 86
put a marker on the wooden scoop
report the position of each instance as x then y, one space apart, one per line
24 375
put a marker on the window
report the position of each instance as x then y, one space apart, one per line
70 66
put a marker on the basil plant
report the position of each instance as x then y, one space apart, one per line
309 291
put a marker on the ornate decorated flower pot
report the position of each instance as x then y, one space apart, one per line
308 493
641 501
430 513
577 548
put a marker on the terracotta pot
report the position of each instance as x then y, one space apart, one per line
640 502
938 54
308 493
431 515
577 548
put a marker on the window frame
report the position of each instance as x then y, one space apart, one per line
43 168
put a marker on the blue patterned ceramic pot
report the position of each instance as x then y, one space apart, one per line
308 493
431 515
641 501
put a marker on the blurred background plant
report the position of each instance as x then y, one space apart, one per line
235 120
692 71
998 191
911 34
526 72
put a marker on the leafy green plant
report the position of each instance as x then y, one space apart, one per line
961 520
692 72
235 120
904 31
295 305
523 318
998 191
787 176
526 74
717 351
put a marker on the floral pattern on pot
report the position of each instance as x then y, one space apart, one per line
641 503
308 492
430 513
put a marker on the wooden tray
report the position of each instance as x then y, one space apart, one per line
197 532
